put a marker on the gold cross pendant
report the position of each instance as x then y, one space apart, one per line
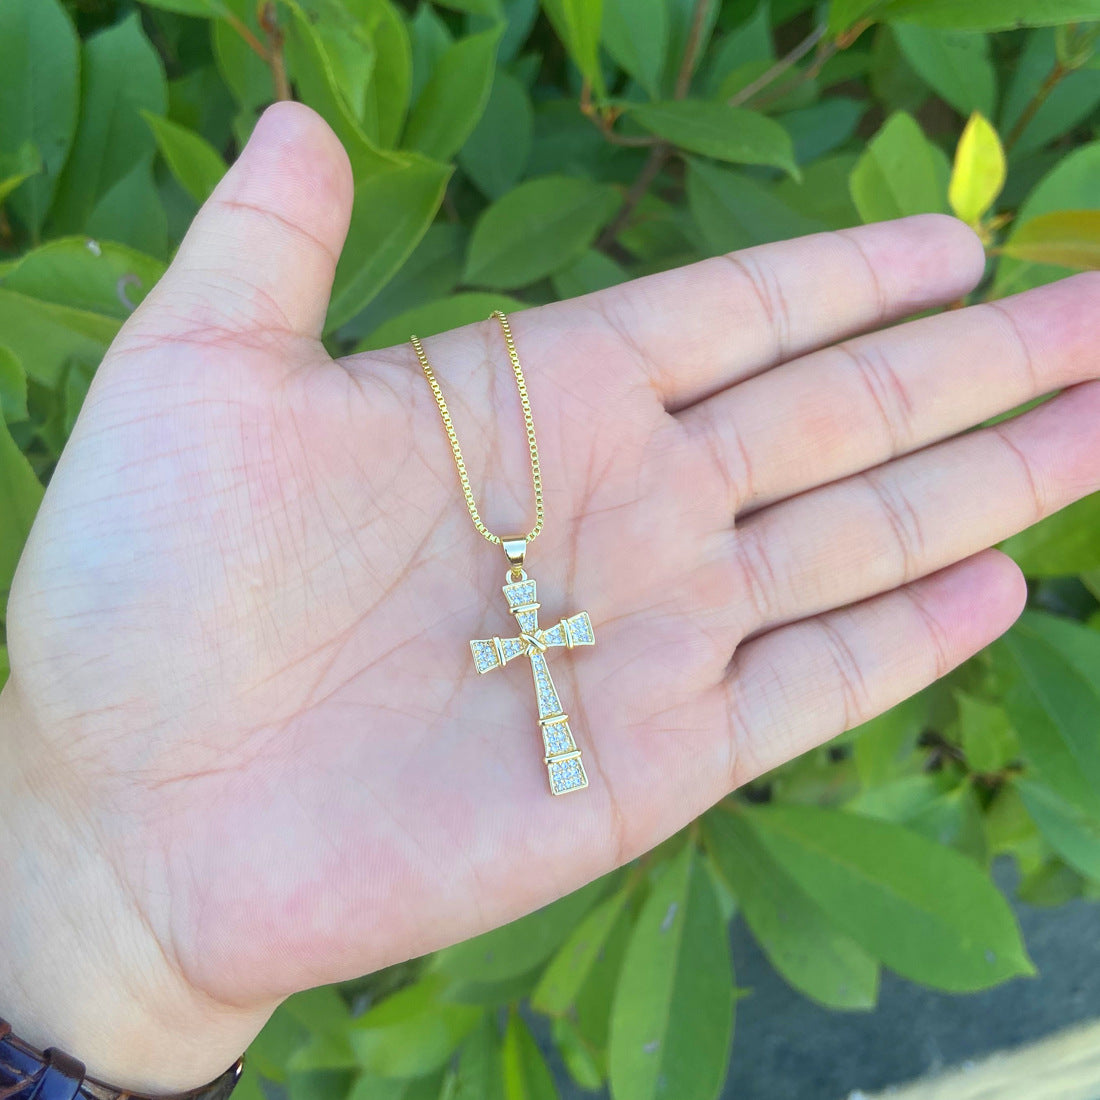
563 758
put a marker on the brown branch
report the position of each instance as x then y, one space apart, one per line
660 151
269 21
691 49
1053 78
245 31
772 74
650 170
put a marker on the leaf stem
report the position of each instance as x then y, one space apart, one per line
1057 73
245 31
769 76
269 21
691 49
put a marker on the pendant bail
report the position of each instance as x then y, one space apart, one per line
516 549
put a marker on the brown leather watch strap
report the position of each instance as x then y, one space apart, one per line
30 1074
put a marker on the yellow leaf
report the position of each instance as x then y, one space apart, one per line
979 171
1070 238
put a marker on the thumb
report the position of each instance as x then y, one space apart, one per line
262 250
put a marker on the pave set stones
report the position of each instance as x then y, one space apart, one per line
563 758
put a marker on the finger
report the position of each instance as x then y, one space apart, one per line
696 329
895 523
864 401
261 253
798 686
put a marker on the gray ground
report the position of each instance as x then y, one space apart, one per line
786 1048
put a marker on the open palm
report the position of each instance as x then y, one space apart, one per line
239 633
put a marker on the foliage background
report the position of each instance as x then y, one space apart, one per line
508 153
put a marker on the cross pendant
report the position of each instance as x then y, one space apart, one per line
563 758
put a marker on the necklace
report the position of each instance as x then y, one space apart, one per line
563 758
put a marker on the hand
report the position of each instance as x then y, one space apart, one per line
246 749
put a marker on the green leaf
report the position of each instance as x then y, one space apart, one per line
978 172
248 1085
988 15
432 271
38 96
688 21
590 271
321 1009
986 735
927 912
315 65
1069 102
369 1086
520 946
822 193
195 163
109 279
130 213
1054 704
13 387
568 970
884 746
413 1031
947 815
592 1007
386 101
391 211
1062 544
188 7
429 39
20 495
822 127
898 800
584 1064
954 64
17 167
454 97
496 152
245 73
280 1037
46 336
319 1084
474 7
718 130
578 24
78 379
673 1014
799 939
1069 238
348 49
122 76
526 1074
843 13
1049 884
954 819
635 33
1069 185
441 315
1070 831
323 1051
900 173
479 1074
537 228
747 47
734 211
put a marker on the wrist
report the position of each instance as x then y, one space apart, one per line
81 968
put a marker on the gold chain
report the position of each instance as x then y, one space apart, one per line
456 450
